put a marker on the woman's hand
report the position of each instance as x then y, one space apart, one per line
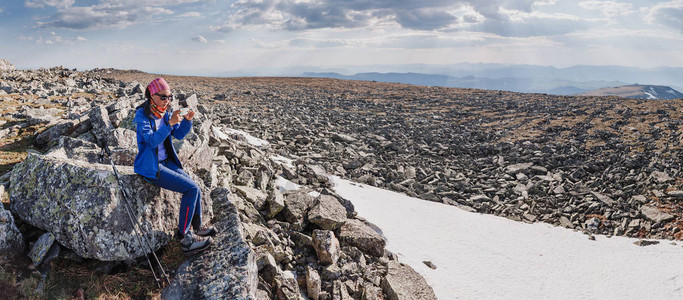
189 115
175 118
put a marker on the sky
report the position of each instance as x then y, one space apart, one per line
212 36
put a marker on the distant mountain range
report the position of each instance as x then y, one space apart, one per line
515 84
637 92
519 78
554 84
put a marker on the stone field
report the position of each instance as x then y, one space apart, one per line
601 165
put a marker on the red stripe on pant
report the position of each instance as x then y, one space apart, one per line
185 225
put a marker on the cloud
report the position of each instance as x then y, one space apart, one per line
225 28
191 14
430 15
114 14
545 2
609 8
321 43
55 39
433 41
668 14
425 19
647 39
519 23
53 3
200 39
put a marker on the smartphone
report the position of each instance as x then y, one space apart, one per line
184 111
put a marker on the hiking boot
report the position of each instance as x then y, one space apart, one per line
191 244
206 231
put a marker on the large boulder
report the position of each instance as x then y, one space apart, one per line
356 233
276 203
287 287
123 138
403 283
193 150
326 246
81 204
227 270
327 213
101 125
53 133
79 149
256 197
5 65
313 283
297 206
11 239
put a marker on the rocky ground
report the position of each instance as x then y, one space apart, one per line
602 165
65 207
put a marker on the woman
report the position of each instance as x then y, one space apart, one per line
158 162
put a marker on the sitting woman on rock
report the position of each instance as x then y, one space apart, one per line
158 162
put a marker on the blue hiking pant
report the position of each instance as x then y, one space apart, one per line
172 177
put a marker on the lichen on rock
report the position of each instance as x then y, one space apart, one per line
81 203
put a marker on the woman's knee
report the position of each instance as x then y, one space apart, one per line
194 189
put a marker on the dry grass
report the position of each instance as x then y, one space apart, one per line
67 279
13 151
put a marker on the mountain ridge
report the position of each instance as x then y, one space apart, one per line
637 91
514 84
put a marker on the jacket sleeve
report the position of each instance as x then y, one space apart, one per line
180 130
150 137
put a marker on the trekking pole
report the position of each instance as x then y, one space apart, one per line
134 221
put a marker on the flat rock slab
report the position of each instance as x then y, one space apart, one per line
327 213
605 199
511 169
256 197
403 283
356 233
655 215
227 270
296 208
81 204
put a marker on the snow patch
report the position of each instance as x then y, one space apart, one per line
250 138
285 185
282 160
487 257
221 134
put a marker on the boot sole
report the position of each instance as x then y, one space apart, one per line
195 251
213 233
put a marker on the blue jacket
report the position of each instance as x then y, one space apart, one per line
149 138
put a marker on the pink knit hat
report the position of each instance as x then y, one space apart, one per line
157 85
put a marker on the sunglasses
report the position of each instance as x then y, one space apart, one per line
164 98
